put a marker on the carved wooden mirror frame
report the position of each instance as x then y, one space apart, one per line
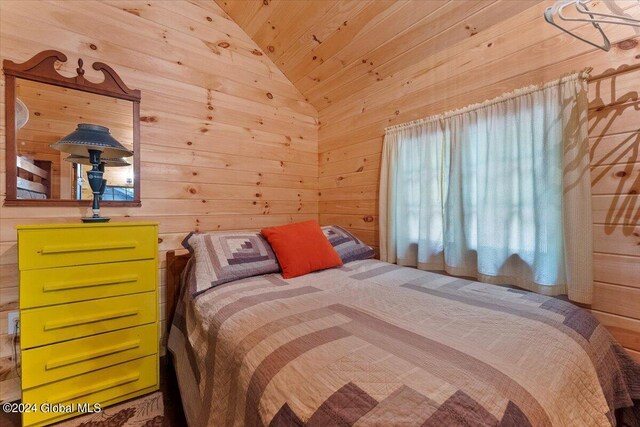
41 68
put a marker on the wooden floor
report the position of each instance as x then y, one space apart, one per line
173 414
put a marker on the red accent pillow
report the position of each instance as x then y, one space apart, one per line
301 248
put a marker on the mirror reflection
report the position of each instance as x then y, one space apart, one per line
45 114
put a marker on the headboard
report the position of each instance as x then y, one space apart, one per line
33 180
175 266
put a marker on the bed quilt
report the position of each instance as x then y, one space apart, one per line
375 344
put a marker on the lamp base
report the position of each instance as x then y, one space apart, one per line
99 219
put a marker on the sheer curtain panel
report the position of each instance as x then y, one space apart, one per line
499 191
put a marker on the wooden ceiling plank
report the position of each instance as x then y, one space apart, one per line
367 40
262 15
295 27
333 20
396 76
324 49
445 19
212 7
240 11
205 13
283 19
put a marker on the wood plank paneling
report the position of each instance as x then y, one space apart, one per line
487 54
616 239
616 299
617 209
358 138
616 215
512 53
620 178
333 51
334 29
615 149
227 142
617 269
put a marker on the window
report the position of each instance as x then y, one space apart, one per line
113 193
484 191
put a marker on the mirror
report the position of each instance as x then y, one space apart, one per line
54 112
44 107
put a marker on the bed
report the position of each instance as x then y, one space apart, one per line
375 344
34 178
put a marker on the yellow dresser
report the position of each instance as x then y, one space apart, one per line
88 316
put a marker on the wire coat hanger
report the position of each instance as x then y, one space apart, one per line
592 17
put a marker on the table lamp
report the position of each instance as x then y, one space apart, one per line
111 162
93 142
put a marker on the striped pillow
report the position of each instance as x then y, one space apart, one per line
346 244
223 257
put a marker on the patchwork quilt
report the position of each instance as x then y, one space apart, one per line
375 344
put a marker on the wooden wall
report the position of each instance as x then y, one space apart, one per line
227 141
614 136
516 52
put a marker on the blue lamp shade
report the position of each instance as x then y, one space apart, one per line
91 137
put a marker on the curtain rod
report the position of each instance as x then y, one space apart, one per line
584 75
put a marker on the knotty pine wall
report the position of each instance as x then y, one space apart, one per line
614 138
435 78
227 142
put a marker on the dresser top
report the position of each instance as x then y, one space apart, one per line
83 225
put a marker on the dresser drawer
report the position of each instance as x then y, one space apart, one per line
104 386
63 360
47 325
61 247
68 284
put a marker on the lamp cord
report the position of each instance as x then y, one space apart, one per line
14 341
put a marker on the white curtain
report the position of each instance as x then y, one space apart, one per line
499 191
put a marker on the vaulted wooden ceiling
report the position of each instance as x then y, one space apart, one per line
332 48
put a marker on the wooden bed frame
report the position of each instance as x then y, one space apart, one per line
34 176
175 266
